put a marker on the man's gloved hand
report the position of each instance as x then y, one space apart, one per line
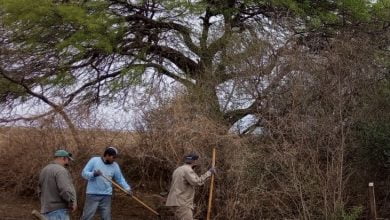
97 173
213 170
129 192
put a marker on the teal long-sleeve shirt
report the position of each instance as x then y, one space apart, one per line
99 185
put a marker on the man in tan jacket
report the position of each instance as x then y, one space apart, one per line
184 180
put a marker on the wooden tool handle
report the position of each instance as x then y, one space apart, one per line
211 188
135 198
38 215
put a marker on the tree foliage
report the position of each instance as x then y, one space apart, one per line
89 52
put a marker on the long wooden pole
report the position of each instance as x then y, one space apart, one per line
38 215
135 198
372 201
211 187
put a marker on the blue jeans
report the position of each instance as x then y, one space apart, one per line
102 203
59 214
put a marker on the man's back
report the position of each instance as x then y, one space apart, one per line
55 188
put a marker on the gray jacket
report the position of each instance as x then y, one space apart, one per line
55 188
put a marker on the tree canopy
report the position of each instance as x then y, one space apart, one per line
84 53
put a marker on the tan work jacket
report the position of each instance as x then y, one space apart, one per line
182 191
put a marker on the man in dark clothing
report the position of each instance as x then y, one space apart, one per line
56 190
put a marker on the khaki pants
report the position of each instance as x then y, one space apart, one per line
183 213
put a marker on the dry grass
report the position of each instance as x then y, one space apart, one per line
299 167
25 151
178 128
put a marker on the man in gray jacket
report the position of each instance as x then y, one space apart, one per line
56 190
182 192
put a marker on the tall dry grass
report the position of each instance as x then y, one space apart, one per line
298 165
293 170
178 127
25 151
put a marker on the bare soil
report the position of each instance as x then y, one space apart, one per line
13 207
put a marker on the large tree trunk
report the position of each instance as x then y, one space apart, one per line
205 99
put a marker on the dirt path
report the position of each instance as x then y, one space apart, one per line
12 207
123 208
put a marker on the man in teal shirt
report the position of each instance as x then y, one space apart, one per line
99 189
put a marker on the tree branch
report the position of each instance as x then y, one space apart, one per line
56 108
184 63
32 118
164 71
235 115
72 95
29 91
153 24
